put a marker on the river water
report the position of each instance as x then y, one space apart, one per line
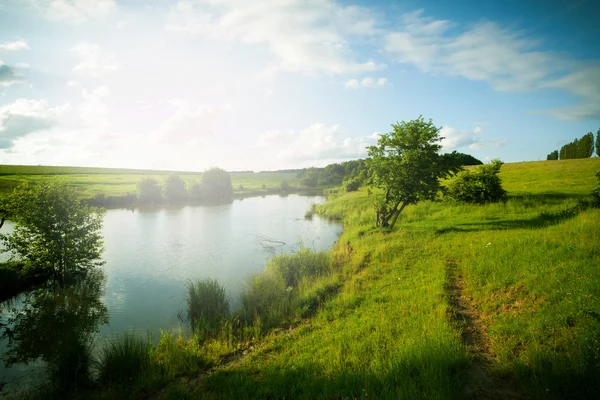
151 253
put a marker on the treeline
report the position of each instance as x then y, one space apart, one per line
352 174
579 148
214 187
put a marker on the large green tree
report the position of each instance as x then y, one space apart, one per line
406 167
598 143
175 190
54 231
149 191
216 186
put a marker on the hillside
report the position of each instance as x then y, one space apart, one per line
459 301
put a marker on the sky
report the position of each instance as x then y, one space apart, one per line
281 84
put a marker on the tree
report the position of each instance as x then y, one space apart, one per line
406 166
54 231
216 186
175 189
553 155
284 186
149 191
598 143
479 186
463 159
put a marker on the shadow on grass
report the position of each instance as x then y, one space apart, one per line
405 380
543 220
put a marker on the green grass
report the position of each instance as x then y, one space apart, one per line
375 318
388 331
90 182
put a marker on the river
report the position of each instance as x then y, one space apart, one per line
151 253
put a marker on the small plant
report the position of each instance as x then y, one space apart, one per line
480 186
207 306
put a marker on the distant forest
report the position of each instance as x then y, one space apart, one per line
578 148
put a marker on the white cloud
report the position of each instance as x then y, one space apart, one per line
584 82
14 46
507 60
75 11
454 139
9 76
367 82
94 62
308 37
24 117
191 124
317 143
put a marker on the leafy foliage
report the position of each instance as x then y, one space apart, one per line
479 186
553 155
461 159
579 148
175 189
149 191
216 186
596 191
406 166
598 143
53 231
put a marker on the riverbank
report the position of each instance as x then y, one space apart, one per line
459 301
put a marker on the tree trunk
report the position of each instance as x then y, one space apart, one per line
397 213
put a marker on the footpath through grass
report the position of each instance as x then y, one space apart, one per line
529 270
459 301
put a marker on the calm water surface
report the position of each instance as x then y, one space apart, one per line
152 253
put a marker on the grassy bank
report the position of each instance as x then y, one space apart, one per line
527 270
459 301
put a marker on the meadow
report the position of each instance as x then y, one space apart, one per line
90 182
458 301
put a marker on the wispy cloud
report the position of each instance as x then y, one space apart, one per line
307 37
506 59
75 11
367 82
473 139
14 46
94 61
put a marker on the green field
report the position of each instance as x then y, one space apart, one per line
118 182
459 301
496 301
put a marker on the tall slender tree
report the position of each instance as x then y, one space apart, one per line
598 143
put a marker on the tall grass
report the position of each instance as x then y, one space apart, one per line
207 306
124 359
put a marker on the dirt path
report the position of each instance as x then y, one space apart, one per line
482 381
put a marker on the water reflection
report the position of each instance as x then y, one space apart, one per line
57 326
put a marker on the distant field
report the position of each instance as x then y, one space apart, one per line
568 177
116 182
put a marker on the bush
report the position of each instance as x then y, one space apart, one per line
124 359
596 192
175 190
284 186
479 186
149 191
352 185
207 306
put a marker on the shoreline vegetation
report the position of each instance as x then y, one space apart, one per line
495 300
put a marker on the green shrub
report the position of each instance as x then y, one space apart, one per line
207 306
352 185
596 192
479 186
124 359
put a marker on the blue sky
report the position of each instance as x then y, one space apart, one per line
245 84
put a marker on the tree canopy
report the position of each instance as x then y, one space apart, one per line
149 191
53 230
406 166
216 185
